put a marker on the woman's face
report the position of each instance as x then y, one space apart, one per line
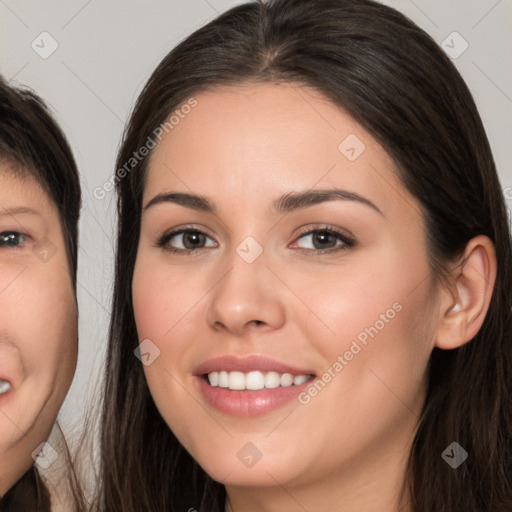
269 279
38 322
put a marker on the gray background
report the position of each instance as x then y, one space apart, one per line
107 50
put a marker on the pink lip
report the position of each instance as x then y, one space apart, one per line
8 378
247 403
6 396
12 366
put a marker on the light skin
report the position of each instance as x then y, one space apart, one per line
243 148
38 326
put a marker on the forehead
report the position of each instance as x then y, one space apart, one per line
19 185
258 121
270 138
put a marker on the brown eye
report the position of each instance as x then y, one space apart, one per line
185 240
324 239
12 239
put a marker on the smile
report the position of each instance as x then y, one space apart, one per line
254 380
246 386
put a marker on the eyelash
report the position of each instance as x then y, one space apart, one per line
348 242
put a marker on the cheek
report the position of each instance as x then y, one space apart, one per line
362 299
168 311
374 376
165 298
39 319
372 325
384 326
156 304
42 319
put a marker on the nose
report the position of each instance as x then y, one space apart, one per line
247 297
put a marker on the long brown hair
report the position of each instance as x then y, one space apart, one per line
29 493
393 79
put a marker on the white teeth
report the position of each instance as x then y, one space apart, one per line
300 379
255 380
286 379
4 386
213 377
223 379
236 380
272 380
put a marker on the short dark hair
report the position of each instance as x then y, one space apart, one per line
396 82
31 141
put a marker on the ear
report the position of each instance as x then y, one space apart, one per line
472 284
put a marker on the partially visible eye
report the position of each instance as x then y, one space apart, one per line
12 239
326 240
185 240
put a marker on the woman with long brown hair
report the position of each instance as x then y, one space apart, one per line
312 305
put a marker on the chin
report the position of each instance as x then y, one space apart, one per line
247 477
249 467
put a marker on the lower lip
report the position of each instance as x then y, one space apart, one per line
5 397
249 403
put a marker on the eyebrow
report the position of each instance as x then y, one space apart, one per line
286 203
16 210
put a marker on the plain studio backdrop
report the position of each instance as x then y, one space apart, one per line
89 59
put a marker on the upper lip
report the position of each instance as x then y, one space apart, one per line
12 369
232 363
6 379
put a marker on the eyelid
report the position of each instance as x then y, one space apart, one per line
348 240
163 239
15 231
325 227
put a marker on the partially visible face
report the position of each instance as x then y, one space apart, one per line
317 316
38 322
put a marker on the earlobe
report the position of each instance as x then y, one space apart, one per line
463 311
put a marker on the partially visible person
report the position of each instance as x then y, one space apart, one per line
40 201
